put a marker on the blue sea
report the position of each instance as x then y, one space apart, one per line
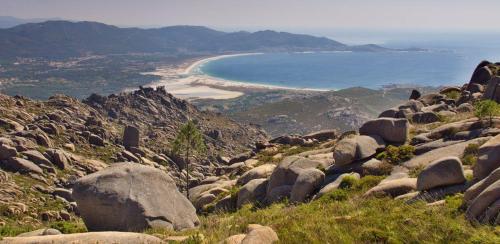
446 62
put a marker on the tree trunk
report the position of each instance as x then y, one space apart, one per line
187 171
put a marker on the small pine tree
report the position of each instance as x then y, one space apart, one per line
188 143
487 109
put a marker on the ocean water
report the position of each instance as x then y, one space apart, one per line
445 63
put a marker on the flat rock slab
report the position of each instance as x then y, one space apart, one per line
454 150
90 237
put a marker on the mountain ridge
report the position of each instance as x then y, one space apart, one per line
63 39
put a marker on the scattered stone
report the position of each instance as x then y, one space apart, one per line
465 108
36 157
96 140
7 151
425 117
323 135
119 197
260 235
21 165
131 136
443 172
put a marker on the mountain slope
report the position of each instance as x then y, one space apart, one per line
62 39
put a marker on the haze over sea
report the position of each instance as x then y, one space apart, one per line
449 61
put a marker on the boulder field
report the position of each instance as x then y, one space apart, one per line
106 173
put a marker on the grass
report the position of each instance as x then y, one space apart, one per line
343 216
470 154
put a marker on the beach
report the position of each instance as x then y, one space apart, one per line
186 81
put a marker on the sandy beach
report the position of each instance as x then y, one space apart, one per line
186 81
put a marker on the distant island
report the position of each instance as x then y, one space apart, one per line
65 39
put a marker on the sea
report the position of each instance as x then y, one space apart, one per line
447 59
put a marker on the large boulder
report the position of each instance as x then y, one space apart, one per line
456 150
107 237
260 235
335 184
351 149
492 91
479 187
443 172
488 158
393 188
482 74
131 136
415 94
259 172
307 182
253 191
391 130
21 165
285 174
479 207
132 197
7 151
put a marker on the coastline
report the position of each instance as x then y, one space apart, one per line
187 82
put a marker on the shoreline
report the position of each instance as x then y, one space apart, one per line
184 82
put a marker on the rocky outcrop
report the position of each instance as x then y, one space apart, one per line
131 136
132 197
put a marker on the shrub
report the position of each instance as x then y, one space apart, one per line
452 95
487 109
397 155
348 182
470 154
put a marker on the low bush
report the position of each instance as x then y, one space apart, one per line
397 155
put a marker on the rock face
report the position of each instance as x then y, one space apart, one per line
493 90
132 197
443 172
356 148
131 136
391 130
488 158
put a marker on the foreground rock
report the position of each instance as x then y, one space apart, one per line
443 172
283 179
391 130
132 197
256 234
483 198
90 237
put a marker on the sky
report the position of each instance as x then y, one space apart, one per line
431 15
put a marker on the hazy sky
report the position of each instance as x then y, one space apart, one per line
285 14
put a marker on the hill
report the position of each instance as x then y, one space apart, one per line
63 39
